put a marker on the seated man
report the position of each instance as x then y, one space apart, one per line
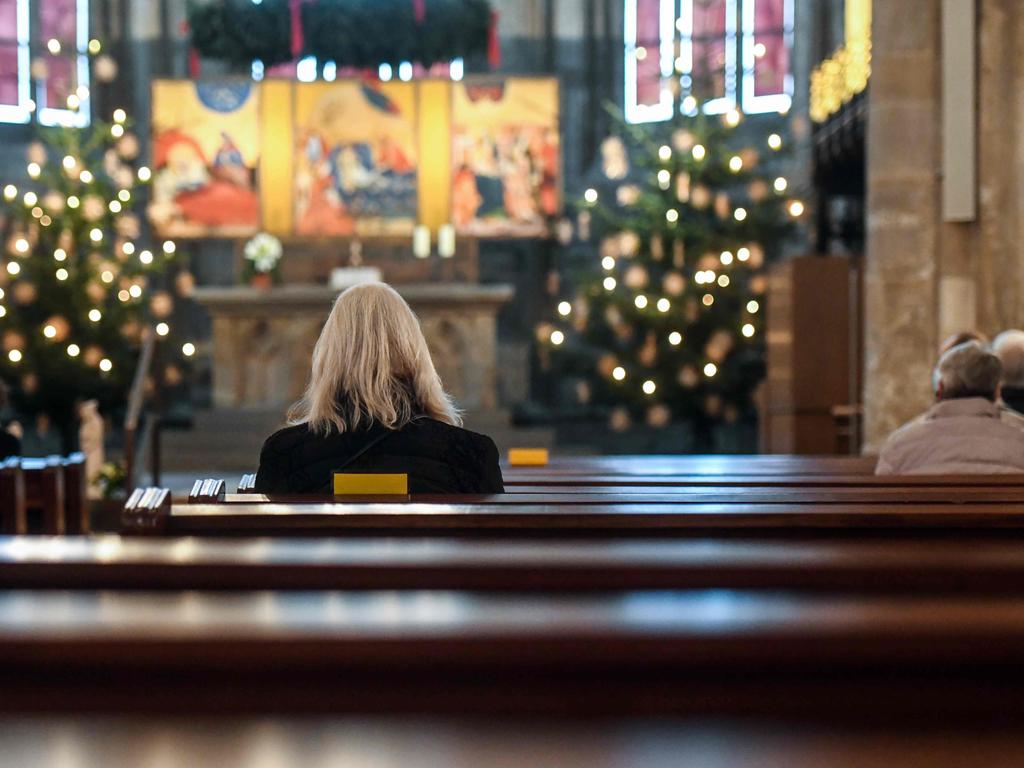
964 432
1009 348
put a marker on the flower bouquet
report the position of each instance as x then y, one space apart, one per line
262 260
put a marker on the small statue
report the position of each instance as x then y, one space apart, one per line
90 441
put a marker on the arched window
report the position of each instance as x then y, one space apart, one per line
727 52
44 62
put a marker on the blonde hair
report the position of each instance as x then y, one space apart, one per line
371 365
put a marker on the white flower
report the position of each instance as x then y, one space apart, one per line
264 251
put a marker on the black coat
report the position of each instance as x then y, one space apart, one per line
437 457
9 445
1014 398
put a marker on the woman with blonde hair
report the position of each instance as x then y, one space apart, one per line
374 403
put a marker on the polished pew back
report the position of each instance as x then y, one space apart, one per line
12 497
697 652
52 487
151 512
759 464
875 567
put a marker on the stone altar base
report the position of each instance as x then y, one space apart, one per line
263 341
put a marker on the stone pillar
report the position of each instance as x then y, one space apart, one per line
926 278
903 218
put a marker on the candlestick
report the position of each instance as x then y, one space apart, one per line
421 241
446 241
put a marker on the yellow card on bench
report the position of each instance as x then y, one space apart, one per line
370 484
528 457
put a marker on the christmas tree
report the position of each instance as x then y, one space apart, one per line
662 322
78 282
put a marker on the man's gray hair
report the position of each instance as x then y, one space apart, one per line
1009 348
968 370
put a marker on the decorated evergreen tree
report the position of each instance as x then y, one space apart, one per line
78 282
663 322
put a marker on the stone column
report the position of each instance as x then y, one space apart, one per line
903 215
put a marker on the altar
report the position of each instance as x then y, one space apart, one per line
262 343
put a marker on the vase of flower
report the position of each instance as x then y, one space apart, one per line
262 260
262 281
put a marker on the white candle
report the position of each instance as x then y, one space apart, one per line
446 241
421 241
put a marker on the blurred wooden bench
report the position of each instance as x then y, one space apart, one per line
214 492
54 741
755 464
151 512
54 488
436 652
903 567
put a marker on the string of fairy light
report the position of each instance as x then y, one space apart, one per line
79 189
710 278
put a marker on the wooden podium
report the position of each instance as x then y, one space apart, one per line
812 392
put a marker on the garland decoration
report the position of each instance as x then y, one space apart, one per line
351 33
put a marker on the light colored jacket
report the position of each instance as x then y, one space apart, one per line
970 436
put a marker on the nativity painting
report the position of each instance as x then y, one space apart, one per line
355 159
206 151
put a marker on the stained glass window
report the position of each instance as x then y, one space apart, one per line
650 52
63 39
14 61
723 52
44 63
767 44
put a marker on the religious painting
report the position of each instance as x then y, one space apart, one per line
506 157
355 168
206 151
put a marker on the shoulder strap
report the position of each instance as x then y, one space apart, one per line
374 441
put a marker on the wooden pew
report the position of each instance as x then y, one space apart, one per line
76 500
760 464
569 495
55 741
582 480
701 652
151 512
876 567
12 497
45 491
54 487
949 489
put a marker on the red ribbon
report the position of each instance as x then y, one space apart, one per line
493 45
194 63
419 9
298 42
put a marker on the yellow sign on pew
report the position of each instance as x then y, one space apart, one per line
528 457
370 484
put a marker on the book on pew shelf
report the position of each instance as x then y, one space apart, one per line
528 457
370 484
